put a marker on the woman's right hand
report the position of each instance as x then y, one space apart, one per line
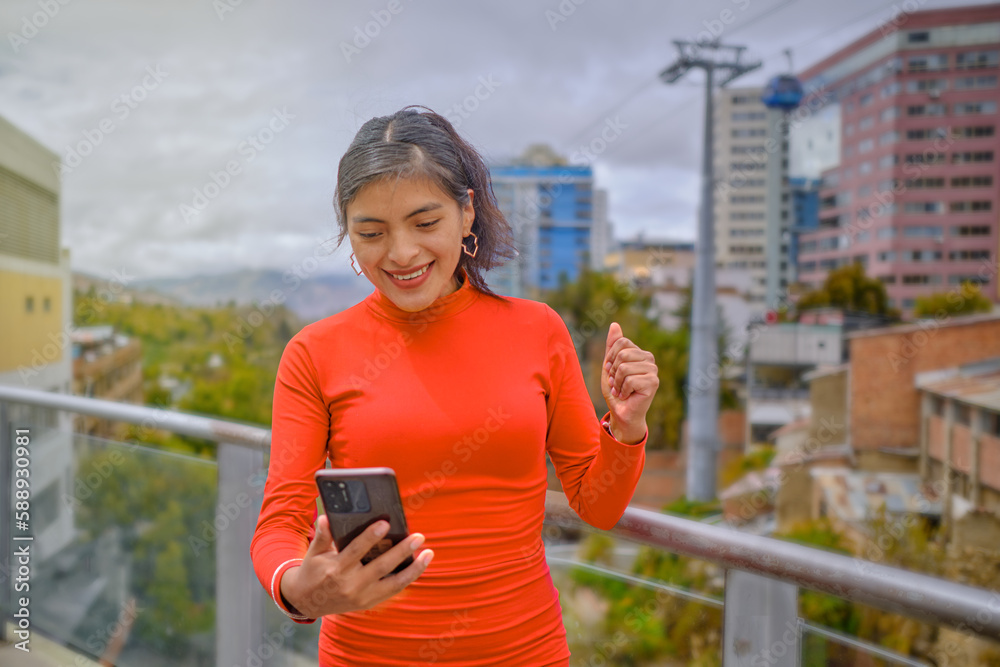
330 582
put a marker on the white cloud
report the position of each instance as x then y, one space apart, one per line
224 78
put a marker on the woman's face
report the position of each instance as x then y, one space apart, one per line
403 226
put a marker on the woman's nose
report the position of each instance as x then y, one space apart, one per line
403 250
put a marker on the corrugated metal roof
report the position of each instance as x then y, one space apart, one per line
854 496
980 389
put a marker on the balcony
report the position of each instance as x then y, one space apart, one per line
143 559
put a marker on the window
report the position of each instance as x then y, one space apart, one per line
967 255
916 232
921 279
972 156
745 99
971 230
888 137
920 255
749 115
866 146
971 206
887 161
928 63
808 246
921 37
976 59
889 279
926 85
865 100
890 89
926 110
746 199
972 131
885 233
971 181
864 191
886 185
865 168
746 215
743 133
746 232
889 113
959 279
29 304
807 267
923 207
973 108
746 250
927 133
745 166
927 157
887 256
975 82
924 183
47 304
743 150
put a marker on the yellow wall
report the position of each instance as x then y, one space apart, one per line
27 338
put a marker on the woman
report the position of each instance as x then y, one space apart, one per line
461 392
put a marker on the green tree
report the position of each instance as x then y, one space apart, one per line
966 300
849 288
588 306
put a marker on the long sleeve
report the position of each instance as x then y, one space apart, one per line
598 473
299 433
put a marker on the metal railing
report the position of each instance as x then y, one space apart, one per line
757 568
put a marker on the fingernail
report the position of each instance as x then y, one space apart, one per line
608 365
428 556
416 541
381 528
614 392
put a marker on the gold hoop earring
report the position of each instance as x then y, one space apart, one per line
353 266
475 241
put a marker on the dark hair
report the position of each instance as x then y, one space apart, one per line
413 144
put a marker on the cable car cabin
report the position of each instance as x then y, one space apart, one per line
783 92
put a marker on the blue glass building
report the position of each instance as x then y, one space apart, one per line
805 215
558 220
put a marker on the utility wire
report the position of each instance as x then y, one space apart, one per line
648 82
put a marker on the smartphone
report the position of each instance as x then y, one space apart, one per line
355 498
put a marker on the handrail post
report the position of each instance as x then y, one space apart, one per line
239 611
761 621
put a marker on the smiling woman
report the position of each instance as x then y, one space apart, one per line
407 234
461 392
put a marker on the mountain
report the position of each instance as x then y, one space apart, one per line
311 298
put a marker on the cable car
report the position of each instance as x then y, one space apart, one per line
782 92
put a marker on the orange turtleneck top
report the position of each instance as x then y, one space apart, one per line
463 400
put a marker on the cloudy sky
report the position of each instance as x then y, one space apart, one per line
161 96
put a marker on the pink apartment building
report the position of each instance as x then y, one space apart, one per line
914 197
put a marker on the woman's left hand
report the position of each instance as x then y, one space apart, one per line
628 381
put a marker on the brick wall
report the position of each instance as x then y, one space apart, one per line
885 406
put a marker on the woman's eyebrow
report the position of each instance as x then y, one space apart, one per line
422 209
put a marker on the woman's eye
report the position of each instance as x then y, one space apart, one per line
428 224
367 236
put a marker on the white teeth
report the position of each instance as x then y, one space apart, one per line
415 274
